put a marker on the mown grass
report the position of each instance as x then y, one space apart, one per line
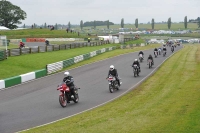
17 65
39 33
167 102
138 41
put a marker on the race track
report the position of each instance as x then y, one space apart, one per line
35 103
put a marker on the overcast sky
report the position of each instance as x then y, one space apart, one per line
63 11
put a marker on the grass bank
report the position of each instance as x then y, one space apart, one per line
39 33
17 65
169 101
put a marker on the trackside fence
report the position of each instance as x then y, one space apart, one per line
39 49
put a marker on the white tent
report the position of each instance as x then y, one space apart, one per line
3 28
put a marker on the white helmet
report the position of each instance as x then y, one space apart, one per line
136 60
66 74
111 67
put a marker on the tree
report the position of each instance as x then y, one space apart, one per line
56 26
69 25
10 14
108 24
152 23
45 25
81 24
122 23
34 25
94 24
136 23
185 22
24 26
169 23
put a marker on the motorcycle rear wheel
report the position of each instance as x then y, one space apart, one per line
62 101
149 65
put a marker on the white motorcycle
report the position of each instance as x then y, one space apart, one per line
113 83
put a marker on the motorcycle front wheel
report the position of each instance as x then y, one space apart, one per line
76 98
111 89
62 101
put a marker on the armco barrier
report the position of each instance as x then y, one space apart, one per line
86 56
40 73
2 84
12 81
27 76
54 67
51 68
8 82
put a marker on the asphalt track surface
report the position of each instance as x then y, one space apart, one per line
36 102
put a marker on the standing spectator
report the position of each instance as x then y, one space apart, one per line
78 33
67 30
88 40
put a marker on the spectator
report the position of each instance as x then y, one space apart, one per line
88 40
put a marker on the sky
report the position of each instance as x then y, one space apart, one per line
73 11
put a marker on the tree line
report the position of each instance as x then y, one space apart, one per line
11 15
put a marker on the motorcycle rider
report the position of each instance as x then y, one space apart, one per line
114 73
21 44
172 48
159 50
141 53
164 49
150 58
46 42
156 50
136 62
70 83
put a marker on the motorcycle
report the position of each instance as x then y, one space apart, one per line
156 53
164 53
140 57
66 94
150 63
113 83
172 49
135 70
159 51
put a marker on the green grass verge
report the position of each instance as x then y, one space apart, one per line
138 41
16 65
39 33
169 102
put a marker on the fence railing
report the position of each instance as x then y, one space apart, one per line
39 49
3 55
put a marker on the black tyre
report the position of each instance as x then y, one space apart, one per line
111 89
149 65
76 99
135 73
62 101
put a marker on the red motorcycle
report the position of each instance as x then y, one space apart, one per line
66 95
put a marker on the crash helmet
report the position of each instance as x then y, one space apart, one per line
136 59
66 74
112 67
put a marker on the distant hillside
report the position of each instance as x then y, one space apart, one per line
97 23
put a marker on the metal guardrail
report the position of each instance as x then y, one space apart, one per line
40 49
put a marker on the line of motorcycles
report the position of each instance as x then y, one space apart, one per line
66 94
